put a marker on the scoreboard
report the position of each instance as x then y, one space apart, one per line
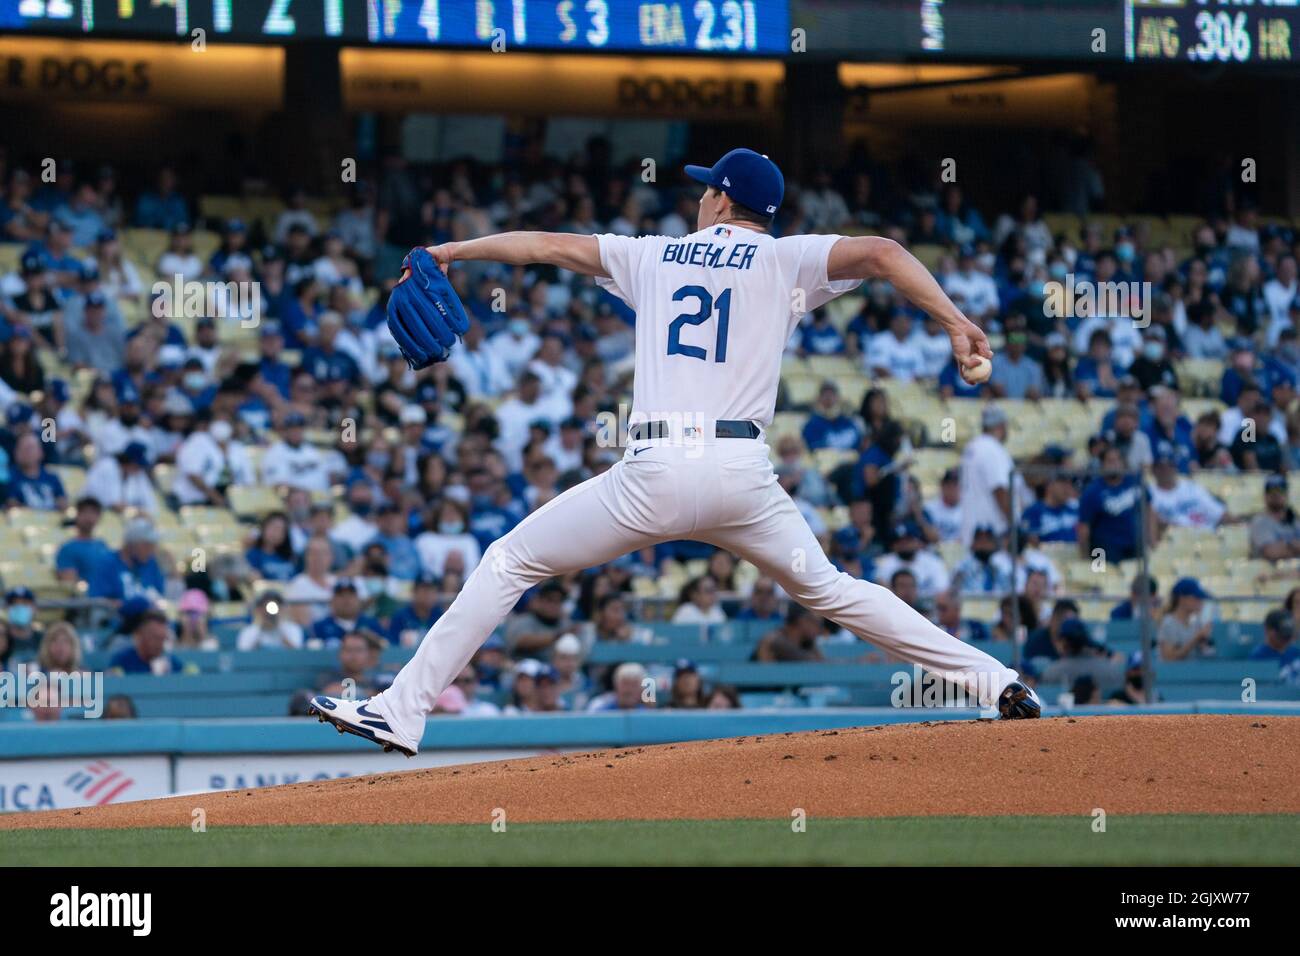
649 26
1211 31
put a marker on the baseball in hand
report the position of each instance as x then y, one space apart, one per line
978 374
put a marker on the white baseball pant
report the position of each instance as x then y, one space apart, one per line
725 493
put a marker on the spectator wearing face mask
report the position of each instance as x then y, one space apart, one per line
24 632
358 529
449 545
208 462
907 552
293 462
1133 690
1152 367
987 569
1109 511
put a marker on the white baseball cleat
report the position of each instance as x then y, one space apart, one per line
356 717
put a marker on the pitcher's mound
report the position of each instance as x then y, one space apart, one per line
1122 764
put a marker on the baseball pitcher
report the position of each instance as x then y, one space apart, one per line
714 311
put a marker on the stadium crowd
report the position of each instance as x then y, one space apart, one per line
389 485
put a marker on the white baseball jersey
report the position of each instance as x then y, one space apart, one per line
1186 504
713 313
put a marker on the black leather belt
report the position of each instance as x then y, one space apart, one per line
723 428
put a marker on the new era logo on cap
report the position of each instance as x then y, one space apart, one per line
749 178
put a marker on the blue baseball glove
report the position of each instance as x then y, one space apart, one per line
424 313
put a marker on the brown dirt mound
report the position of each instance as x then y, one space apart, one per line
1124 764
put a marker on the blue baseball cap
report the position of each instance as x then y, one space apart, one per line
136 453
1189 587
907 529
127 393
749 178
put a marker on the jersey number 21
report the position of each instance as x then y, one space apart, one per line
707 305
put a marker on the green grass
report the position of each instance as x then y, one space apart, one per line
1138 840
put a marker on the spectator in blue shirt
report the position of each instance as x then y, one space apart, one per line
987 569
828 426
762 604
271 555
31 485
1169 431
274 373
947 614
133 571
1127 610
146 654
409 624
344 615
877 478
1109 511
820 337
81 216
957 222
1096 373
1056 516
163 207
1279 630
329 365
403 559
1244 366
952 385
234 242
78 557
64 267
